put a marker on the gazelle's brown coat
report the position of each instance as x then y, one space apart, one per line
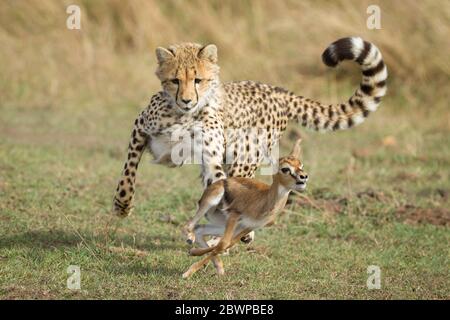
237 206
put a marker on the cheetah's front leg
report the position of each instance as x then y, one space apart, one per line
123 200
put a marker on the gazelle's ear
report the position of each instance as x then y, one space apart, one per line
162 54
296 149
208 52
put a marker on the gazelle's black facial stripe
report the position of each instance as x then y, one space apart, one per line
295 176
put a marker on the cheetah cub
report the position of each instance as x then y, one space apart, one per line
237 206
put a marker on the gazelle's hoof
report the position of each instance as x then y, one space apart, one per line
248 238
190 238
187 231
220 271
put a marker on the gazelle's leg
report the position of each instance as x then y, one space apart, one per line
248 170
202 231
224 242
209 201
213 255
190 226
249 237
216 218
238 237
196 266
229 234
218 264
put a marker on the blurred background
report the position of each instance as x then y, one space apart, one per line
111 59
378 193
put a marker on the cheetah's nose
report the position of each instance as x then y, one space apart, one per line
186 101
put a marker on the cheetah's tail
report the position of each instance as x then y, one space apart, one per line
364 101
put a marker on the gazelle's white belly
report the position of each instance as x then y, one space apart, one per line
220 217
248 222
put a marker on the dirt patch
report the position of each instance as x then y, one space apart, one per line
362 153
389 141
327 205
172 294
168 218
17 292
414 215
325 200
325 193
406 176
431 192
372 194
259 250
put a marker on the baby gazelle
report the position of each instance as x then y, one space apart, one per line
237 206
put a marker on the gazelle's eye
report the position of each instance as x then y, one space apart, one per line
285 170
175 81
197 80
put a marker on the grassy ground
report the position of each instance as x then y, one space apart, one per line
378 196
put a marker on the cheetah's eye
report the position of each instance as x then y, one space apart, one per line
175 81
285 170
197 80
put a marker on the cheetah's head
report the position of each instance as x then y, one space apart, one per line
188 73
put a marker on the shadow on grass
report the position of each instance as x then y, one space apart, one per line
47 239
144 269
131 258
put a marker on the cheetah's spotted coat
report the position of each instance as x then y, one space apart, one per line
194 100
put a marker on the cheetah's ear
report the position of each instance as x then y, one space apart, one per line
296 149
209 53
163 55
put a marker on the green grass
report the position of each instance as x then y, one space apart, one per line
58 172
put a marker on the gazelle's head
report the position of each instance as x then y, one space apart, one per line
290 170
189 73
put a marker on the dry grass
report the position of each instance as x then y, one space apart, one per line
111 60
